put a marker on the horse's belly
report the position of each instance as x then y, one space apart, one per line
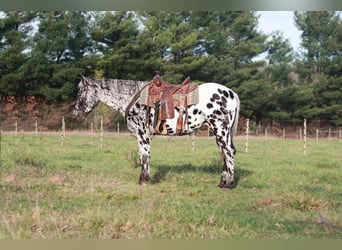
193 120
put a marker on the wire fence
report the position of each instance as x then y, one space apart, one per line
246 129
297 133
277 129
303 133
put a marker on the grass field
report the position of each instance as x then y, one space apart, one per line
82 191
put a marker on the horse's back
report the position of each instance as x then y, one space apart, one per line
217 93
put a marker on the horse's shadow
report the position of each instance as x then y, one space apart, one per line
163 170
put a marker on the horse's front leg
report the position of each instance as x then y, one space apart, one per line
144 144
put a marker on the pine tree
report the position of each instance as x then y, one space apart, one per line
320 69
321 38
116 40
247 42
60 47
15 30
175 41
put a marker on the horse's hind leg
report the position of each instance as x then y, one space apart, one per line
224 140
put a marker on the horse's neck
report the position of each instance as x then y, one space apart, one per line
118 93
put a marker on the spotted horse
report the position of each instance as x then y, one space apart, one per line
218 107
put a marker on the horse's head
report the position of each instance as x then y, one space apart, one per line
87 99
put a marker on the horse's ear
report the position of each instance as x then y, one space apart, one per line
84 79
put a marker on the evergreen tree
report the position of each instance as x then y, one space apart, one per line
214 43
279 54
279 50
320 69
116 37
60 46
175 41
321 38
230 40
246 41
15 28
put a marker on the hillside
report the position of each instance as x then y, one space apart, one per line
49 115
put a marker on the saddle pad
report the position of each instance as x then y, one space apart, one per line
192 97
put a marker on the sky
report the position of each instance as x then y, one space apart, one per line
283 21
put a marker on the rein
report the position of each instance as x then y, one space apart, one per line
83 100
135 98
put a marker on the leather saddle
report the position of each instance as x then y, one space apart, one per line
164 97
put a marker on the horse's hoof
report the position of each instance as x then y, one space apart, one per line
224 184
144 177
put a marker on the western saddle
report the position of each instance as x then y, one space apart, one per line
161 96
165 97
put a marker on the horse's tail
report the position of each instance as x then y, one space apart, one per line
236 118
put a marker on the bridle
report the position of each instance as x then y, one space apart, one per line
83 102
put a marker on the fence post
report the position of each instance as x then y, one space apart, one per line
265 133
304 137
63 131
91 130
0 139
193 142
118 129
284 136
63 127
36 126
0 142
16 127
247 131
317 134
340 135
101 136
329 134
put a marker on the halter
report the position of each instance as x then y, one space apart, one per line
83 101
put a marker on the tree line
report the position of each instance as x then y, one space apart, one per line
44 53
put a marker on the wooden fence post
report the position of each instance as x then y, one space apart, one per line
63 131
265 133
118 129
193 142
91 129
284 136
300 134
16 127
317 131
0 142
101 136
247 131
36 126
304 137
329 134
0 138
63 126
340 134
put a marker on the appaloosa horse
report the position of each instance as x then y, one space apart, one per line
218 107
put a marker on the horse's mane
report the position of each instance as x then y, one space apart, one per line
117 85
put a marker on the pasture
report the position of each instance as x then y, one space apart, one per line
82 191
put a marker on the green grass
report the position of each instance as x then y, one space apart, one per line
82 191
